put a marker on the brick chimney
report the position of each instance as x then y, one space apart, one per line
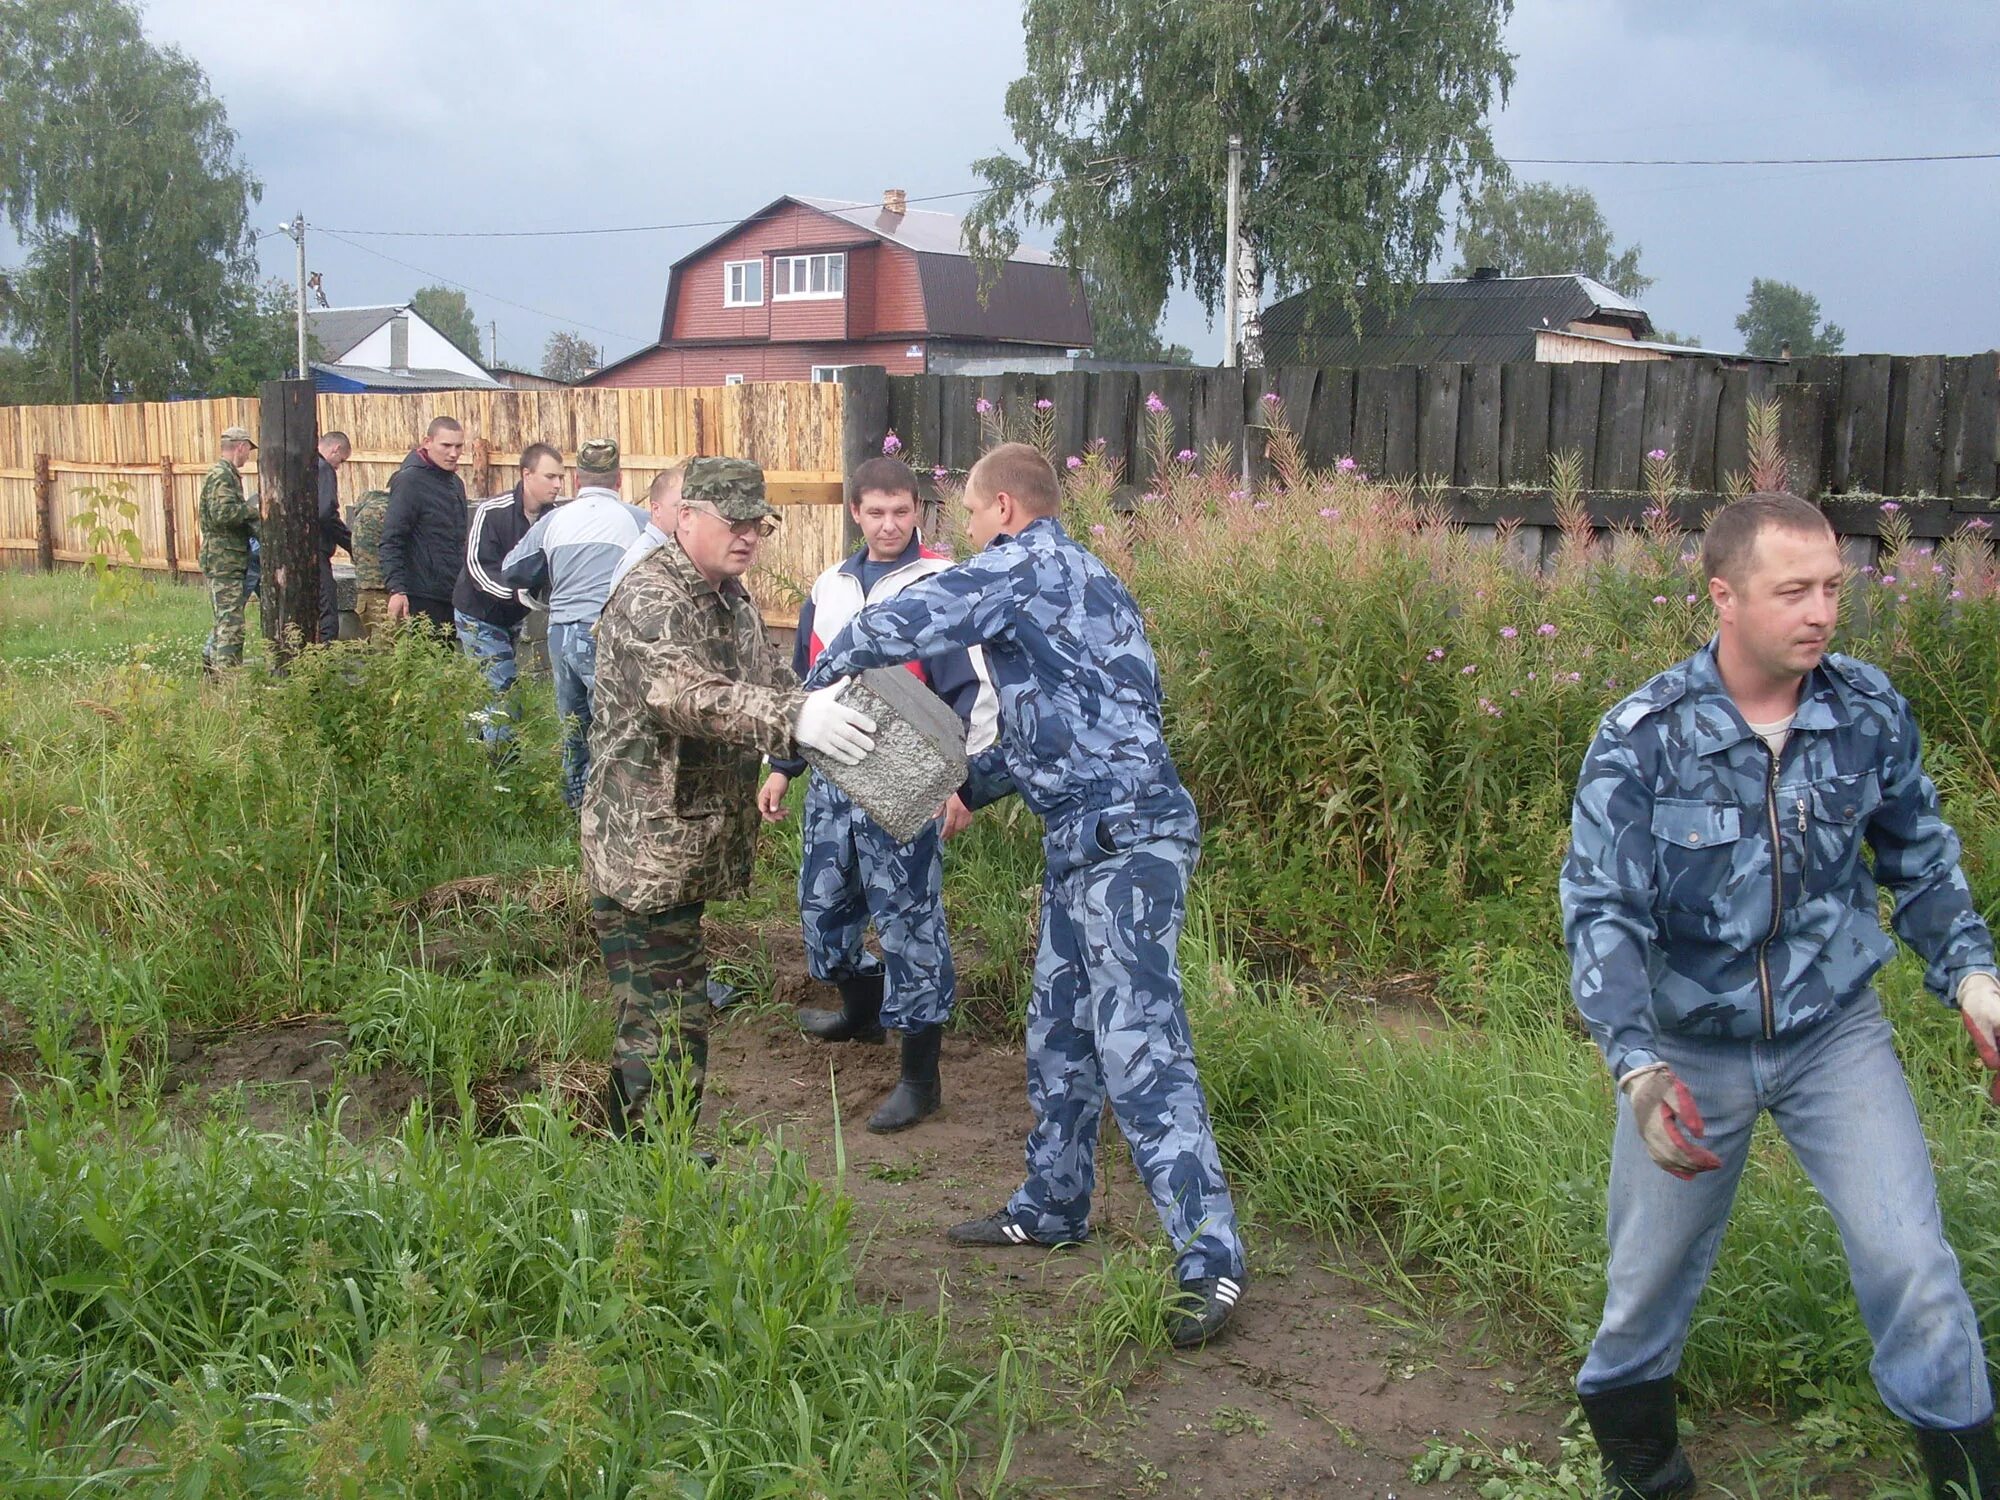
399 342
895 201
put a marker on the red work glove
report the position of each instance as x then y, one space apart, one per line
1666 1116
1979 1008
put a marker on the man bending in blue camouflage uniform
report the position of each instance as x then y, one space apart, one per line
1723 936
853 872
1081 740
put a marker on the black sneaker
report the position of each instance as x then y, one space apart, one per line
1202 1310
1001 1231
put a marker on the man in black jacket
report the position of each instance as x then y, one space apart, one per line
423 534
333 450
487 611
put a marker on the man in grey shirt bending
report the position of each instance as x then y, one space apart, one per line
570 555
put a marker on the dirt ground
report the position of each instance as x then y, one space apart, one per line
1320 1388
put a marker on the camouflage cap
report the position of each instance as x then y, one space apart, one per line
734 486
237 435
598 456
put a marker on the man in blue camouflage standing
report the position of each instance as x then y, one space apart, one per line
1081 741
1723 935
851 872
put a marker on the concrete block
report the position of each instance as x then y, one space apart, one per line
919 754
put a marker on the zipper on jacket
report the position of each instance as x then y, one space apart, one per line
1777 894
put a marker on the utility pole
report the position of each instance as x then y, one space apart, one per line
493 342
296 228
1229 336
75 332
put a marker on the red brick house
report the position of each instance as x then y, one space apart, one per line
805 286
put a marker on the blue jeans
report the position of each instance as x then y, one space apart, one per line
1837 1093
493 648
573 664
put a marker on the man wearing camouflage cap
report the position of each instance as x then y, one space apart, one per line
690 697
228 522
569 555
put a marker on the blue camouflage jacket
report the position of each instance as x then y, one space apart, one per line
1713 889
1079 690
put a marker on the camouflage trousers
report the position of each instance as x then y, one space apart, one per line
852 872
224 647
371 608
1106 1020
658 970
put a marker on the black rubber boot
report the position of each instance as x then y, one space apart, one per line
1962 1463
859 1018
918 1095
1638 1434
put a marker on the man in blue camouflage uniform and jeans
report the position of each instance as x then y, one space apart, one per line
1081 741
1723 934
851 872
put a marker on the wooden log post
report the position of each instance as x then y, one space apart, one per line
167 528
287 456
482 469
864 422
45 514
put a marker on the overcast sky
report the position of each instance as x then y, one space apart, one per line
512 114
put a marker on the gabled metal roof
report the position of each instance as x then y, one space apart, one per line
1480 318
339 329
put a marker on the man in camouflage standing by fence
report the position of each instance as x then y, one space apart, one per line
228 521
364 532
690 695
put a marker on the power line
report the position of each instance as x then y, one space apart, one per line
1304 152
475 291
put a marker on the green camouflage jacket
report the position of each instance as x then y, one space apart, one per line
364 525
690 696
228 521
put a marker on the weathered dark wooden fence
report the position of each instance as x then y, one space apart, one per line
1925 429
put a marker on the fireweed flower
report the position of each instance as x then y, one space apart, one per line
982 406
1656 454
1347 465
940 473
1545 629
1659 598
1239 494
1956 594
1270 398
1690 598
1186 456
1261 505
891 443
1468 669
1436 653
1978 523
1154 404
1891 506
1508 632
1072 462
1328 513
1045 404
1098 529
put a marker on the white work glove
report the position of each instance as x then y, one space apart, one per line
838 732
1979 1005
1666 1115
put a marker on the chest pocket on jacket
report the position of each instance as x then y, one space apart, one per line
1696 849
1841 808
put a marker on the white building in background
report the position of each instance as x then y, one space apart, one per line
389 349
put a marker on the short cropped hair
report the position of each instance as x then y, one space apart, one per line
336 437
664 480
1733 531
881 476
534 453
443 424
1023 472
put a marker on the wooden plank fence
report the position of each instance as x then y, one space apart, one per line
52 458
1923 429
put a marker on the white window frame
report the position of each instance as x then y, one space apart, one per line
787 270
730 298
828 374
732 380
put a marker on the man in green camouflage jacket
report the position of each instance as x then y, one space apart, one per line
364 529
690 696
228 521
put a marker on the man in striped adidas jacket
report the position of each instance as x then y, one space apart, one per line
852 871
486 610
570 554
